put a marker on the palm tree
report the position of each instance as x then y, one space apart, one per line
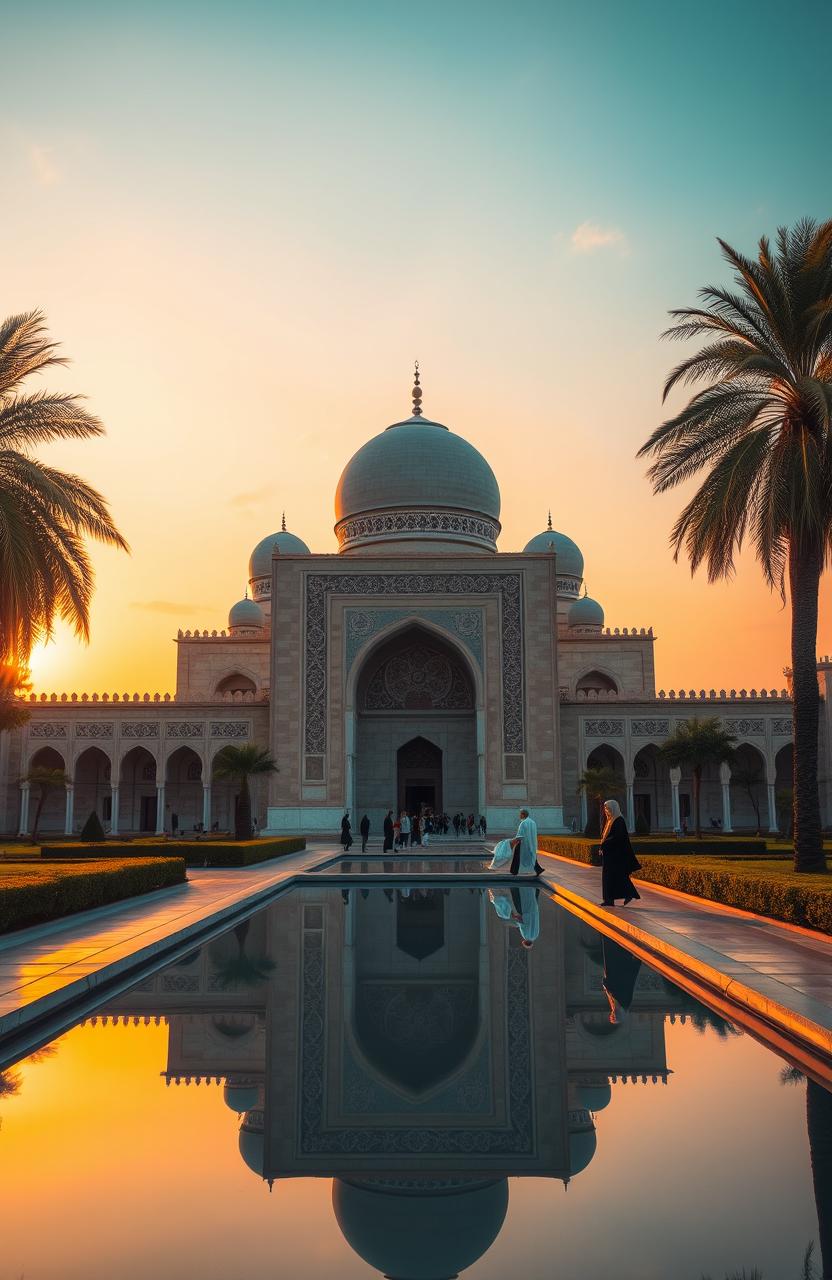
46 780
240 969
45 514
695 744
238 764
761 429
819 1129
600 782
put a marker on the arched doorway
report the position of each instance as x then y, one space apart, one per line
415 727
419 776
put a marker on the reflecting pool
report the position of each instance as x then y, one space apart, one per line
404 865
410 1081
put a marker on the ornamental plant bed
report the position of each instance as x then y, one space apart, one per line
769 888
31 892
197 853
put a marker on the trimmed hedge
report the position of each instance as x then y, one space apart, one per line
769 889
31 893
581 849
197 853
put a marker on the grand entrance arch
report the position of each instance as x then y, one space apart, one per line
415 727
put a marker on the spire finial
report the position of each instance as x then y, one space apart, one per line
283 522
417 392
550 518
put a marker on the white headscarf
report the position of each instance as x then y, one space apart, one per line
613 809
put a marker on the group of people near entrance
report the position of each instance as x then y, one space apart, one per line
409 829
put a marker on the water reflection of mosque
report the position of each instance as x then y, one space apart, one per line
413 1050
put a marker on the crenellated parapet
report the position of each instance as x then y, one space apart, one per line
229 696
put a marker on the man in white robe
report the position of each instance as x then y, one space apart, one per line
519 907
524 862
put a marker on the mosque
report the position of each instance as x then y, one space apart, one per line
416 665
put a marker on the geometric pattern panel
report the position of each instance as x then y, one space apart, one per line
320 585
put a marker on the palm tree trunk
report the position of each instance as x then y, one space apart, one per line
819 1126
242 818
804 582
38 812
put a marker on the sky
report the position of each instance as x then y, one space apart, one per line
245 221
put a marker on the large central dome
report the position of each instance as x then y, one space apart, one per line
417 487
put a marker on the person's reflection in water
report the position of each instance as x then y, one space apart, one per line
621 970
519 908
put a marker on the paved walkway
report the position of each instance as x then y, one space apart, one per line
779 973
49 965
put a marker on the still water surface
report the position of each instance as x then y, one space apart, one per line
362 1082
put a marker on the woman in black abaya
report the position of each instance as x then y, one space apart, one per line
617 858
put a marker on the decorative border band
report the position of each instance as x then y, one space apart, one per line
508 585
356 528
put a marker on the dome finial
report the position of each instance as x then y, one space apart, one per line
417 392
550 518
283 523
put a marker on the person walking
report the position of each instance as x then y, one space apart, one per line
470 825
404 828
524 845
416 830
364 828
427 829
483 826
388 832
397 833
618 860
346 832
457 824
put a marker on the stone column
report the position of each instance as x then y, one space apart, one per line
631 803
160 808
772 808
206 806
584 813
70 809
725 779
24 809
481 801
675 779
113 808
349 771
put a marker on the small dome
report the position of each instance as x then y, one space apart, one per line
240 1095
594 1096
586 612
428 1234
252 1142
417 482
260 564
570 562
246 614
582 1147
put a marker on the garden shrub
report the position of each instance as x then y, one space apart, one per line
766 888
580 849
92 828
197 853
33 892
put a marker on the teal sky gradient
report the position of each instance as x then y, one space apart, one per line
244 221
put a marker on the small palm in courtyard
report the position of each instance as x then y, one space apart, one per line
761 430
45 514
239 765
45 781
600 783
695 745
